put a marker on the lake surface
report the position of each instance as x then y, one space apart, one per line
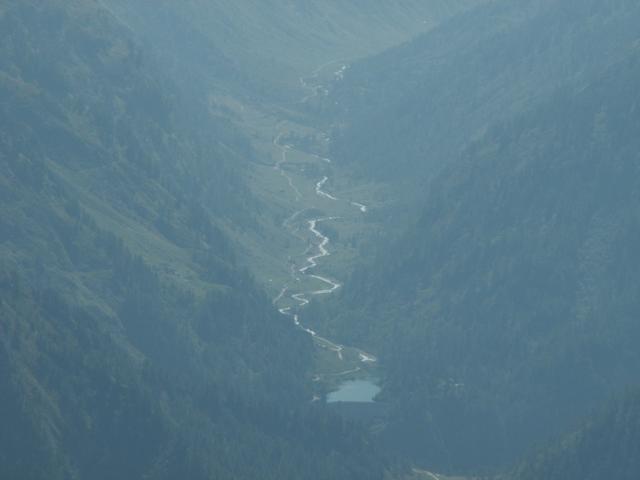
362 391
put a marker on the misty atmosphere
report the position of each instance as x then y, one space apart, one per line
336 240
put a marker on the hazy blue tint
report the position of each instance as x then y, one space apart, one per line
215 212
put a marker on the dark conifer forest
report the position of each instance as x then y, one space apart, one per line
336 240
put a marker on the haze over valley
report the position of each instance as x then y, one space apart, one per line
320 240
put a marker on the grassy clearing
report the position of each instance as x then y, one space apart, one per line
270 248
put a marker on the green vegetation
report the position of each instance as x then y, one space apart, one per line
507 310
159 181
133 343
411 109
607 446
259 49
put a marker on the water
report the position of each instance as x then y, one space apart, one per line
362 391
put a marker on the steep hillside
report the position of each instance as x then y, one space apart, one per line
132 345
152 151
261 48
509 309
607 446
411 109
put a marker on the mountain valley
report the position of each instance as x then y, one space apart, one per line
348 240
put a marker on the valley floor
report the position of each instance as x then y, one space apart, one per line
318 217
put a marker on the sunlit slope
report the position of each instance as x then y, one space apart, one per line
132 344
86 111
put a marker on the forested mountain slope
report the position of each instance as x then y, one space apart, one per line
260 48
607 446
510 308
133 342
132 345
407 111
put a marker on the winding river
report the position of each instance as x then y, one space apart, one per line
318 247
